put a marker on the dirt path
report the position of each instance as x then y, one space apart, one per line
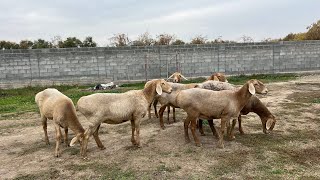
292 151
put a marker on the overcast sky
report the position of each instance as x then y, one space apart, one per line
231 19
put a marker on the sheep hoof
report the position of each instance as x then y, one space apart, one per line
198 144
102 148
163 128
57 155
203 134
232 138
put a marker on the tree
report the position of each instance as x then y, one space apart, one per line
198 40
120 40
8 45
246 39
144 39
40 44
88 42
70 42
178 42
313 31
56 42
164 39
25 44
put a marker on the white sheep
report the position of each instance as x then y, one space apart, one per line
116 108
58 107
224 105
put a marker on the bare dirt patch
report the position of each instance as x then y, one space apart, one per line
291 151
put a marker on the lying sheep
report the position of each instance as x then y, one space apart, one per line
58 107
254 105
114 108
224 105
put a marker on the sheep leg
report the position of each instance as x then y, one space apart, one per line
168 109
149 111
193 130
133 127
97 139
58 137
213 128
161 116
240 125
231 131
222 129
87 134
264 126
174 114
186 126
137 126
200 127
44 125
155 102
65 137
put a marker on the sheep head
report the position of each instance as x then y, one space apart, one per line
218 77
177 77
256 86
78 138
269 124
164 86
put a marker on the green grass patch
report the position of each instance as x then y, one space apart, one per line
317 100
265 78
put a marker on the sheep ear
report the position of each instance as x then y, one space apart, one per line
252 90
73 141
215 78
159 89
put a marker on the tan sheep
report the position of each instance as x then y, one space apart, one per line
177 77
167 100
218 77
254 105
58 107
114 108
224 105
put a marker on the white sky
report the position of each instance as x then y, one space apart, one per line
231 19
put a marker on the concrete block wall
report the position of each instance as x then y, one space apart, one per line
105 64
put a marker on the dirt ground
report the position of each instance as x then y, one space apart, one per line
291 151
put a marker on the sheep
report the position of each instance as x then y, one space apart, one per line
225 105
58 107
218 77
165 103
177 77
254 105
115 108
169 100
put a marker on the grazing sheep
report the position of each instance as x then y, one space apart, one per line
218 77
114 108
58 107
224 105
254 105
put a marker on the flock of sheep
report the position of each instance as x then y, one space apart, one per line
212 99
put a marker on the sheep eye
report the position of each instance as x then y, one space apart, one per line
162 83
